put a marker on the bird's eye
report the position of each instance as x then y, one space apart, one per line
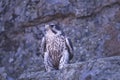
52 26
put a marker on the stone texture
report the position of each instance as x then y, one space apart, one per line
98 69
92 25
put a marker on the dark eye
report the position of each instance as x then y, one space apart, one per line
51 26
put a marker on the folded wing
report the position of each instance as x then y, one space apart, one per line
43 46
70 48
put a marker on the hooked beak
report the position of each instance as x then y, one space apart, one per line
46 26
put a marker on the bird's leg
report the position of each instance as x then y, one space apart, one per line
64 59
48 64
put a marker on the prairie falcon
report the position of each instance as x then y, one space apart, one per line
56 48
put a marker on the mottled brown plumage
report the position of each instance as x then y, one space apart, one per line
57 49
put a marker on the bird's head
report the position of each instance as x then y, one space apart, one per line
53 29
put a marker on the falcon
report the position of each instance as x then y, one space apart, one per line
56 48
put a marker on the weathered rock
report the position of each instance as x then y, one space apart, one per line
92 25
98 69
3 75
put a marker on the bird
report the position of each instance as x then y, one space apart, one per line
56 48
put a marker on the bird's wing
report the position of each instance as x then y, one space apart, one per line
43 45
69 47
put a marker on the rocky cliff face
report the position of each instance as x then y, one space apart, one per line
92 25
99 69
